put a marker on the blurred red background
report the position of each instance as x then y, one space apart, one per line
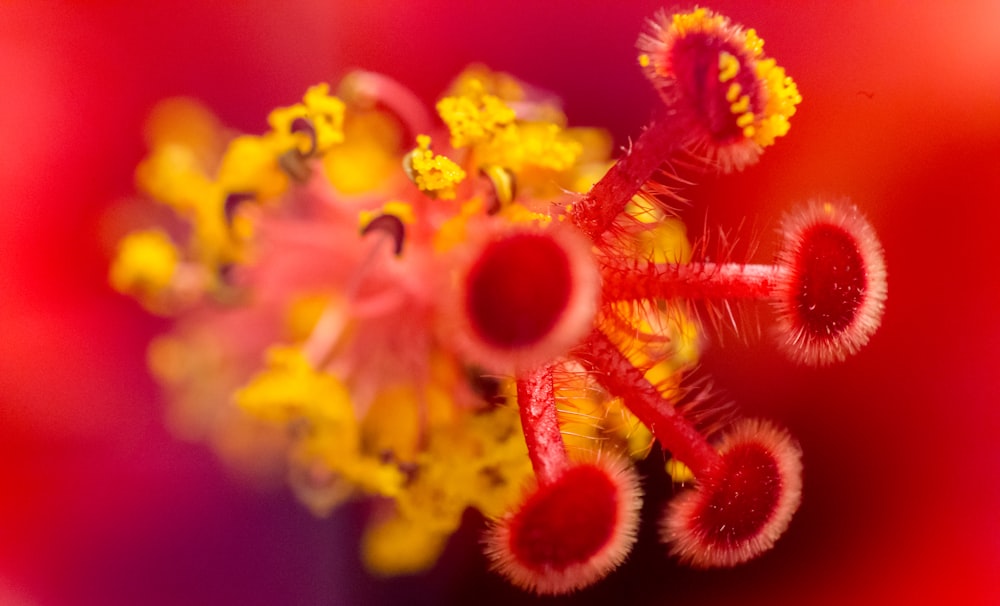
100 505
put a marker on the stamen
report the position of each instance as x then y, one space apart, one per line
305 126
365 90
234 201
504 187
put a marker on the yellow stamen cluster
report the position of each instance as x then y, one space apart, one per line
698 20
780 91
434 174
317 409
480 115
145 266
475 118
324 112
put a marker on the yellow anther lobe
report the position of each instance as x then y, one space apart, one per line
741 106
729 66
734 92
503 183
433 174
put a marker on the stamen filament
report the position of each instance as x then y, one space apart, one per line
332 323
367 89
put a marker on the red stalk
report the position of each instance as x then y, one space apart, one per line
597 210
621 378
540 422
692 281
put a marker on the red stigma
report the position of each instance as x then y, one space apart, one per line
566 523
518 289
571 532
832 294
832 280
525 296
739 508
739 512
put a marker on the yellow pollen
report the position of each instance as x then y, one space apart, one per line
734 92
698 20
644 60
754 43
740 106
679 472
433 174
781 97
729 66
146 263
474 119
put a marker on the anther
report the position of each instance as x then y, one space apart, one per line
391 225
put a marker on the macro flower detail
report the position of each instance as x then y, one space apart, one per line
483 310
733 100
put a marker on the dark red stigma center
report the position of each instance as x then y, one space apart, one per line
518 289
695 61
832 280
745 500
566 522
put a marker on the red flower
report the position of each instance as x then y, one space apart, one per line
100 505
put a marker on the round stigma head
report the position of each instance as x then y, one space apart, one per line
569 533
526 295
741 511
833 292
